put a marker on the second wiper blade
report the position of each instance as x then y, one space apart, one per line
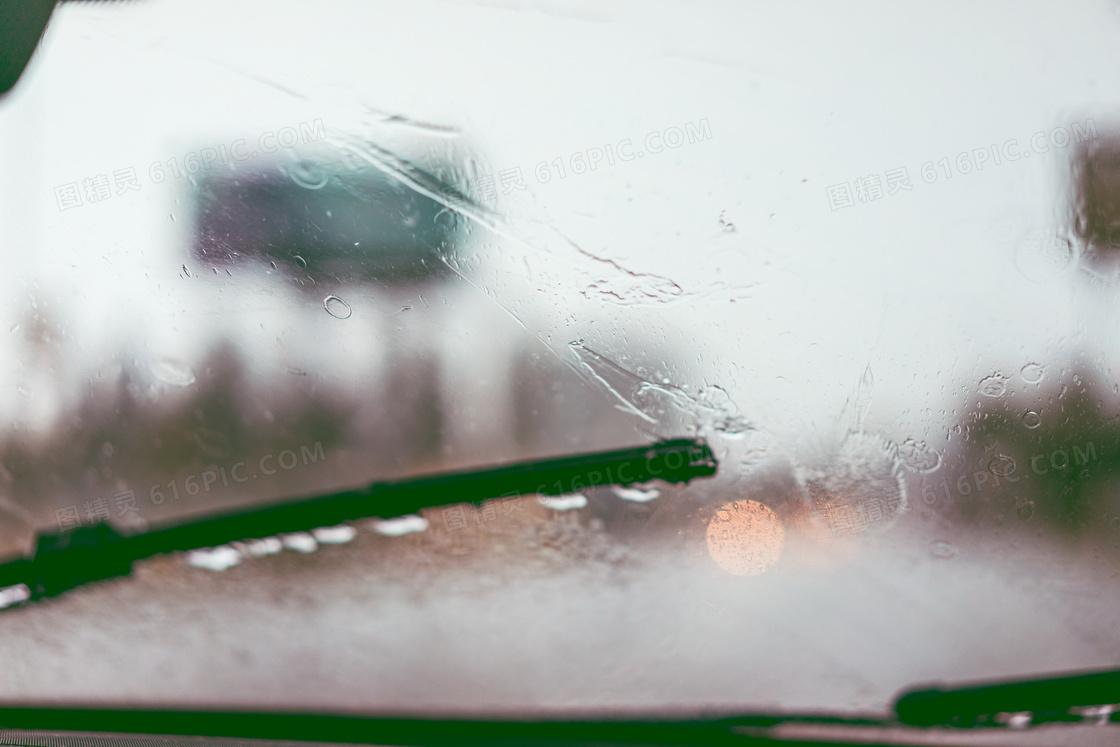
64 561
1047 699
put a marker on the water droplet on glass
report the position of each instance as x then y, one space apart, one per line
1032 373
186 271
337 308
734 427
919 457
636 494
1002 465
107 449
301 263
1032 419
862 487
1043 257
942 550
993 386
213 443
566 502
307 176
173 372
399 525
23 390
338 535
215 558
1025 509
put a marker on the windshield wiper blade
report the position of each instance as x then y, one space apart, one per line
1070 697
63 561
542 728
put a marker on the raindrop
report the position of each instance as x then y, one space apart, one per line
733 427
1032 373
301 263
338 535
186 271
173 372
993 386
337 308
566 502
636 494
215 558
942 550
399 525
1002 465
865 479
1032 419
919 457
307 177
107 449
213 443
1043 257
1025 509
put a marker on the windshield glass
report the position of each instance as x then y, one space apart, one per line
258 251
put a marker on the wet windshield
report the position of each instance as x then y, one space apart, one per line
266 250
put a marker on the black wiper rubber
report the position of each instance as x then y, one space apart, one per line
357 728
1049 699
63 561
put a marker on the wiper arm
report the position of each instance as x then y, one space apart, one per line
63 561
1073 697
